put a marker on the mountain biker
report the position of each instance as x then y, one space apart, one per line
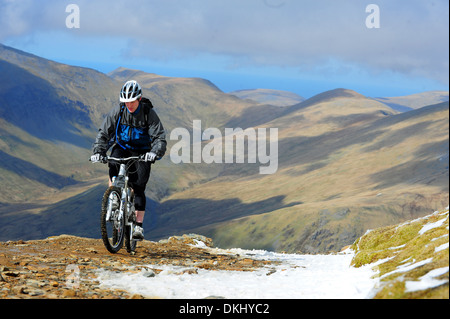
132 128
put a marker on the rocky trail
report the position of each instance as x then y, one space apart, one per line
67 266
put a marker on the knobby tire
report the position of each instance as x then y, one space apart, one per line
117 237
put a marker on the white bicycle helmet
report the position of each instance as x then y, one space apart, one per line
130 92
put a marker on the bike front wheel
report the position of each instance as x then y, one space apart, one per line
130 243
112 220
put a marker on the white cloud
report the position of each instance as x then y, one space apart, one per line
412 38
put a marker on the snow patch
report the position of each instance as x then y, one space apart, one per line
441 247
296 277
430 226
408 267
427 281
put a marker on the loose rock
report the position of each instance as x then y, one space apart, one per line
67 266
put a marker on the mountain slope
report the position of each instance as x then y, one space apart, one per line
267 96
411 258
49 114
414 101
329 187
76 89
345 162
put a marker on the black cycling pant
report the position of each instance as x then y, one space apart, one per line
138 174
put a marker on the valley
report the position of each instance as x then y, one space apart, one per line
346 162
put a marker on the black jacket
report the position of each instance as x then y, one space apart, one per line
141 131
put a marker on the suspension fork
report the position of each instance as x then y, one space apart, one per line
121 181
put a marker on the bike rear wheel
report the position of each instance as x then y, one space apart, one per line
112 221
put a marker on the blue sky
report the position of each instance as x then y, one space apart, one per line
302 46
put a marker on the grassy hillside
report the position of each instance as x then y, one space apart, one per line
75 89
71 210
411 259
48 127
267 96
334 181
49 115
346 162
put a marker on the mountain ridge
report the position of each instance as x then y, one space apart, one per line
249 228
268 96
338 151
415 101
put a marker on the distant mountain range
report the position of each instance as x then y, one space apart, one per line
267 96
414 101
347 162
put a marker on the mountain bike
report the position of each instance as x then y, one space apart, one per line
118 216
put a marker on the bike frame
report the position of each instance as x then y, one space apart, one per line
121 181
122 217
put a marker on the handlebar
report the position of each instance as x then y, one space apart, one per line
108 159
126 159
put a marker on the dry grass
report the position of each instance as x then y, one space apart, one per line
405 253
